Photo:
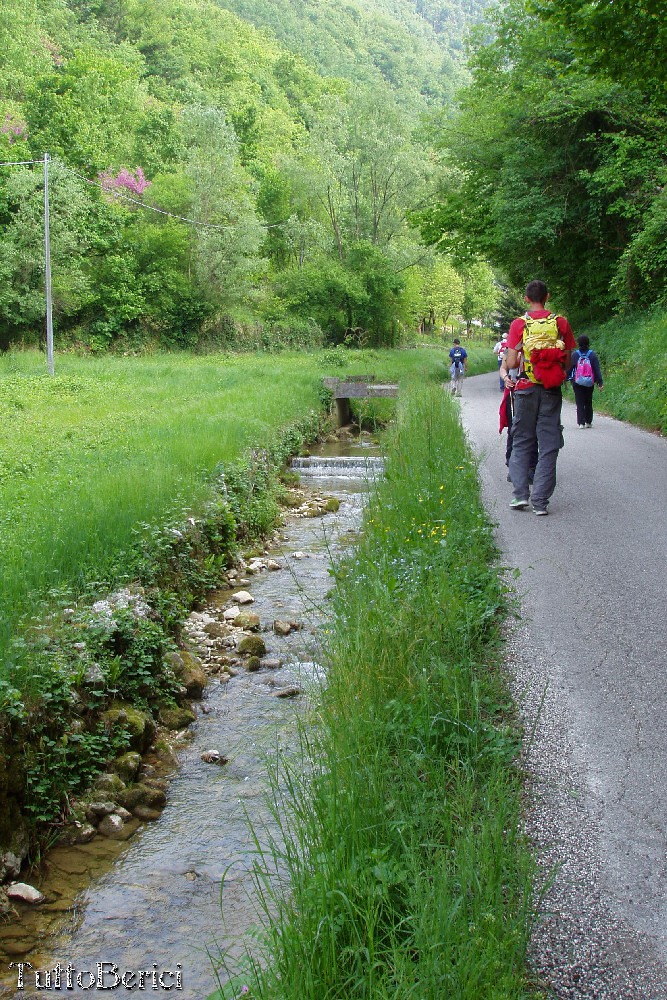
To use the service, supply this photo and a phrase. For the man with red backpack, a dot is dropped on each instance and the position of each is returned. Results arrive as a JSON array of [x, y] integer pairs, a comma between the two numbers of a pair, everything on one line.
[[540, 344], [585, 374]]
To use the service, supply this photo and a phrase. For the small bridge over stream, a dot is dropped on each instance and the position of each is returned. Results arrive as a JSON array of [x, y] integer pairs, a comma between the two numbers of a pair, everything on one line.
[[356, 387]]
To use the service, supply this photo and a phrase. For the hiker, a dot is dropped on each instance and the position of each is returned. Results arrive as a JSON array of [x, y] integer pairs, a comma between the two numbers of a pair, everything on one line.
[[584, 374], [458, 368], [499, 348], [506, 421], [542, 344]]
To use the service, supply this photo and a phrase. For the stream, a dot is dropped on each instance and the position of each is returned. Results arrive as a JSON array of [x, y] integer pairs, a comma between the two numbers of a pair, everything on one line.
[[154, 902]]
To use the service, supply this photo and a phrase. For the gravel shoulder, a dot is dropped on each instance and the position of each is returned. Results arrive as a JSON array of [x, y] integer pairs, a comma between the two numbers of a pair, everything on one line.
[[588, 659]]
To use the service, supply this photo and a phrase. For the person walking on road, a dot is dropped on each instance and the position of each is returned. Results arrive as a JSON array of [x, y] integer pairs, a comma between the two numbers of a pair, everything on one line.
[[499, 349], [542, 344], [458, 367], [585, 374]]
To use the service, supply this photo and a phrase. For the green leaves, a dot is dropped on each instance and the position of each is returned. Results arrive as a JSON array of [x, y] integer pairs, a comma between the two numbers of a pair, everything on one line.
[[558, 166]]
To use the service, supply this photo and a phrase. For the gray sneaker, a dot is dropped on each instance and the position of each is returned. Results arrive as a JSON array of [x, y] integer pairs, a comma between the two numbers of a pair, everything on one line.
[[540, 511], [518, 504]]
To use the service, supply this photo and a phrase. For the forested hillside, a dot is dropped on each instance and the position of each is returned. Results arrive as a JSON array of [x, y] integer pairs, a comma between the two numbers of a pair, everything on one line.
[[206, 172], [558, 155]]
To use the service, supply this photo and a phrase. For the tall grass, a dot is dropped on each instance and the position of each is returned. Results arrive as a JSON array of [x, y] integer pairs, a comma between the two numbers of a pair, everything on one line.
[[406, 873]]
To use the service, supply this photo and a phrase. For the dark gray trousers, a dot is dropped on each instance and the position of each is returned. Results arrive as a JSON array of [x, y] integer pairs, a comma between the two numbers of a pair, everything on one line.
[[536, 416]]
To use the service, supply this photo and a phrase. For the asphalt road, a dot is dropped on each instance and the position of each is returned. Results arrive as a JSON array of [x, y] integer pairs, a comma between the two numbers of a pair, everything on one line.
[[591, 644]]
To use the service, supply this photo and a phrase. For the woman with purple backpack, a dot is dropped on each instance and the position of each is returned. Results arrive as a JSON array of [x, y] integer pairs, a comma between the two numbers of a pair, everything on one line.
[[584, 374]]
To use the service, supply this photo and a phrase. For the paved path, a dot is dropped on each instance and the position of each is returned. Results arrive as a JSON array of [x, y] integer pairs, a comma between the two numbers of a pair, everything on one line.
[[593, 635]]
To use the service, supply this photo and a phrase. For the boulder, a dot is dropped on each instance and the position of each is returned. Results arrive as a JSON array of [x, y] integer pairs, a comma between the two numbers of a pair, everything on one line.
[[10, 865], [94, 677], [145, 813], [253, 663], [189, 669], [332, 505], [140, 725], [127, 766], [96, 811], [243, 597], [113, 827], [231, 613], [143, 795], [273, 565], [247, 620], [176, 718], [110, 784], [281, 627], [252, 644], [24, 893], [216, 630], [76, 833]]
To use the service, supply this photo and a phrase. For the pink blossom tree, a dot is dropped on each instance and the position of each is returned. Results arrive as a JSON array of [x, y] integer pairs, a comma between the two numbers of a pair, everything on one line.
[[135, 182]]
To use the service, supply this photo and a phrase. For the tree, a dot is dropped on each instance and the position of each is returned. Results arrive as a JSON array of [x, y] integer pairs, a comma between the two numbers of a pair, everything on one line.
[[444, 291], [363, 169], [480, 295], [557, 169], [226, 246], [626, 38]]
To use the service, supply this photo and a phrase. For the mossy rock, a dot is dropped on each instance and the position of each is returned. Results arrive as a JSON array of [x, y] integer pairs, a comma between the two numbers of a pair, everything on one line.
[[109, 785], [189, 669], [176, 718], [140, 725], [127, 766], [143, 795], [252, 644], [332, 505], [253, 663], [247, 620]]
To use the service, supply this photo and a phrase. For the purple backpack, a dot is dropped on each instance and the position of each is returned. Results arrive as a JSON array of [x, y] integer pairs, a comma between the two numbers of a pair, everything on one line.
[[583, 374]]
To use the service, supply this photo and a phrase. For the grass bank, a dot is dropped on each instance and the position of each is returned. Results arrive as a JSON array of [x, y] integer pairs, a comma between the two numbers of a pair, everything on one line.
[[633, 355], [407, 875]]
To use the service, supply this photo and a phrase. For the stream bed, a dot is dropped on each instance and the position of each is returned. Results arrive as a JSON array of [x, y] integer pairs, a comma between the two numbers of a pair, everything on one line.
[[154, 902]]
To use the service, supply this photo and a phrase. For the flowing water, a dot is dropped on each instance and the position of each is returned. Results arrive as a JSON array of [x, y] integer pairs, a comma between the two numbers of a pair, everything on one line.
[[155, 902]]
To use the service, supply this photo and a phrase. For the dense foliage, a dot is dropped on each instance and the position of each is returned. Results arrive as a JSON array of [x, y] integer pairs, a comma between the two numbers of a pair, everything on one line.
[[557, 157], [295, 147]]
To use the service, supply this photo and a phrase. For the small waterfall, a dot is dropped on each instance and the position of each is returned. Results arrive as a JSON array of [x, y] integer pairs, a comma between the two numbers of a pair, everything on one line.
[[339, 466]]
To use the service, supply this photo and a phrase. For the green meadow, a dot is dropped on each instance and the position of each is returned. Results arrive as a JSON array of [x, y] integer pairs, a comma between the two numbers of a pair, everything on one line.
[[113, 444]]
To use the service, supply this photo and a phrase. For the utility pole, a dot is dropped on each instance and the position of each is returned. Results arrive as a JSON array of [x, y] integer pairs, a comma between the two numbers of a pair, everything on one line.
[[47, 248]]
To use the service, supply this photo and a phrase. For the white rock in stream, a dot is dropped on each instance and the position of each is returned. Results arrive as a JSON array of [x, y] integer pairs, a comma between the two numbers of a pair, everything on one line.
[[25, 893], [299, 555], [272, 564], [243, 597], [112, 826], [231, 613]]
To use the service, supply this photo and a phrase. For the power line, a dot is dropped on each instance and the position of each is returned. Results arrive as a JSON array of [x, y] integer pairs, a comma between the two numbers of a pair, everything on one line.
[[19, 163], [152, 208]]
